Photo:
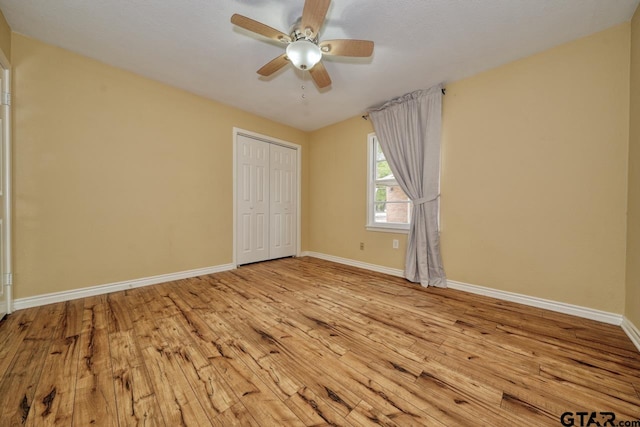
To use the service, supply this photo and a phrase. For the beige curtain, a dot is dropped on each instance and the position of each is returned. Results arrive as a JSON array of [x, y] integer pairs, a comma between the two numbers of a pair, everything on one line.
[[408, 129]]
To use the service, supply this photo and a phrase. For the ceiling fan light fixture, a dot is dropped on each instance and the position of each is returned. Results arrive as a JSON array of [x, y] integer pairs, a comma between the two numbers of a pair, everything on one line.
[[303, 54], [304, 49]]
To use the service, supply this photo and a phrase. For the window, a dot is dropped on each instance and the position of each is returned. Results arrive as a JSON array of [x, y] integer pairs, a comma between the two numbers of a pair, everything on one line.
[[388, 208]]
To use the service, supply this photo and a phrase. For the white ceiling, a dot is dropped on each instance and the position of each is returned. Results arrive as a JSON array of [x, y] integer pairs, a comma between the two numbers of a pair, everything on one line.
[[191, 44]]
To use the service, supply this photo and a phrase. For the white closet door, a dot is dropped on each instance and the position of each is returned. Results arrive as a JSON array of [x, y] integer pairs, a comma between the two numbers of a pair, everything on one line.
[[283, 201], [252, 200]]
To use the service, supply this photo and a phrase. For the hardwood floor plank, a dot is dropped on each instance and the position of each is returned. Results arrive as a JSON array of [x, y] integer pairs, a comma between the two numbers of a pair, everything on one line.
[[376, 396], [237, 415], [214, 394], [169, 348], [71, 321], [527, 413], [308, 342], [255, 349], [312, 410], [626, 405], [212, 390], [262, 359], [260, 401], [118, 312], [13, 329], [163, 306], [269, 410], [546, 396], [472, 400], [137, 303], [193, 292], [545, 346], [53, 401], [589, 377], [18, 385], [20, 382], [191, 322], [180, 405], [46, 322], [489, 354], [416, 397], [95, 400], [135, 396], [235, 373], [367, 415]]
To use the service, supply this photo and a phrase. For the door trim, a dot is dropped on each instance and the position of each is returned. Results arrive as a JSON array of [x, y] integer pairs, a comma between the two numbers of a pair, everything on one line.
[[276, 141], [7, 249]]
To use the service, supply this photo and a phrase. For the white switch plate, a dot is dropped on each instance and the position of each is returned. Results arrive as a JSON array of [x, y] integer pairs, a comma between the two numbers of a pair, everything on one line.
[[395, 243]]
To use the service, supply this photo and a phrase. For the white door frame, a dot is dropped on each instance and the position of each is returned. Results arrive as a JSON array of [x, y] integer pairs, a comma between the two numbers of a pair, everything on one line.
[[7, 280], [271, 140]]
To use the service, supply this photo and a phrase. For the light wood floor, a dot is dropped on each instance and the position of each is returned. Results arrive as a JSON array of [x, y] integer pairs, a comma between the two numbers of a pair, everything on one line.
[[308, 342]]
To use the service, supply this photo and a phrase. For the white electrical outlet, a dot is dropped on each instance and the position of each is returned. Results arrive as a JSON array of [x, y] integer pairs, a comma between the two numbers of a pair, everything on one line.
[[395, 243]]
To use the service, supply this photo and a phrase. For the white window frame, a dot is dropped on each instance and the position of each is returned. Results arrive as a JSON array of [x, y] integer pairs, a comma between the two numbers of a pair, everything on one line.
[[372, 225]]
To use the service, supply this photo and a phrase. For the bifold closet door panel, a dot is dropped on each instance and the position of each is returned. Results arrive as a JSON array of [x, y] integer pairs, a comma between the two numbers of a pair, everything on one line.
[[283, 203], [252, 197]]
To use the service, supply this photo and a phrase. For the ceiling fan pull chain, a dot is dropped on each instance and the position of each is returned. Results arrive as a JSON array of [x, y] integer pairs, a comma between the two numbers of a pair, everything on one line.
[[304, 77]]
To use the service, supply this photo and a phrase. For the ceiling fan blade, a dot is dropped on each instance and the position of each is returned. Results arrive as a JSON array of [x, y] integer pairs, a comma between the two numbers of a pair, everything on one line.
[[320, 75], [259, 28], [347, 47], [273, 65], [313, 15]]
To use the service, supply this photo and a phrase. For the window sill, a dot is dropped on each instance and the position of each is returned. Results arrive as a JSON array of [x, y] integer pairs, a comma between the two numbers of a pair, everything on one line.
[[388, 229]]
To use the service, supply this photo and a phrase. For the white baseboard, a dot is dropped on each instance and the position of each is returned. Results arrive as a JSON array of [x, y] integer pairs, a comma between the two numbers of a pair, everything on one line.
[[373, 267], [632, 332], [54, 297], [560, 307], [611, 318], [575, 310]]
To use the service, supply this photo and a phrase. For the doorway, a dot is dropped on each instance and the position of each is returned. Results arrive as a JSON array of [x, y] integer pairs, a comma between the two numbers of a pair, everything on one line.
[[266, 198]]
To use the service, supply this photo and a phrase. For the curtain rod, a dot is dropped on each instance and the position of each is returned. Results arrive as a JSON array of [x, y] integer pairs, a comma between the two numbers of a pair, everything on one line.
[[366, 116]]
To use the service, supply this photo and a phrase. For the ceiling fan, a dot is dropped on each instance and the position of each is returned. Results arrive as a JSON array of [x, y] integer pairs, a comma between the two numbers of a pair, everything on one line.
[[304, 50]]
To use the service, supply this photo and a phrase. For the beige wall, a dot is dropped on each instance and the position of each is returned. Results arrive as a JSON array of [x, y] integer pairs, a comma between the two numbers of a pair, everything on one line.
[[118, 177], [5, 37], [534, 177], [535, 174], [632, 299], [338, 186]]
